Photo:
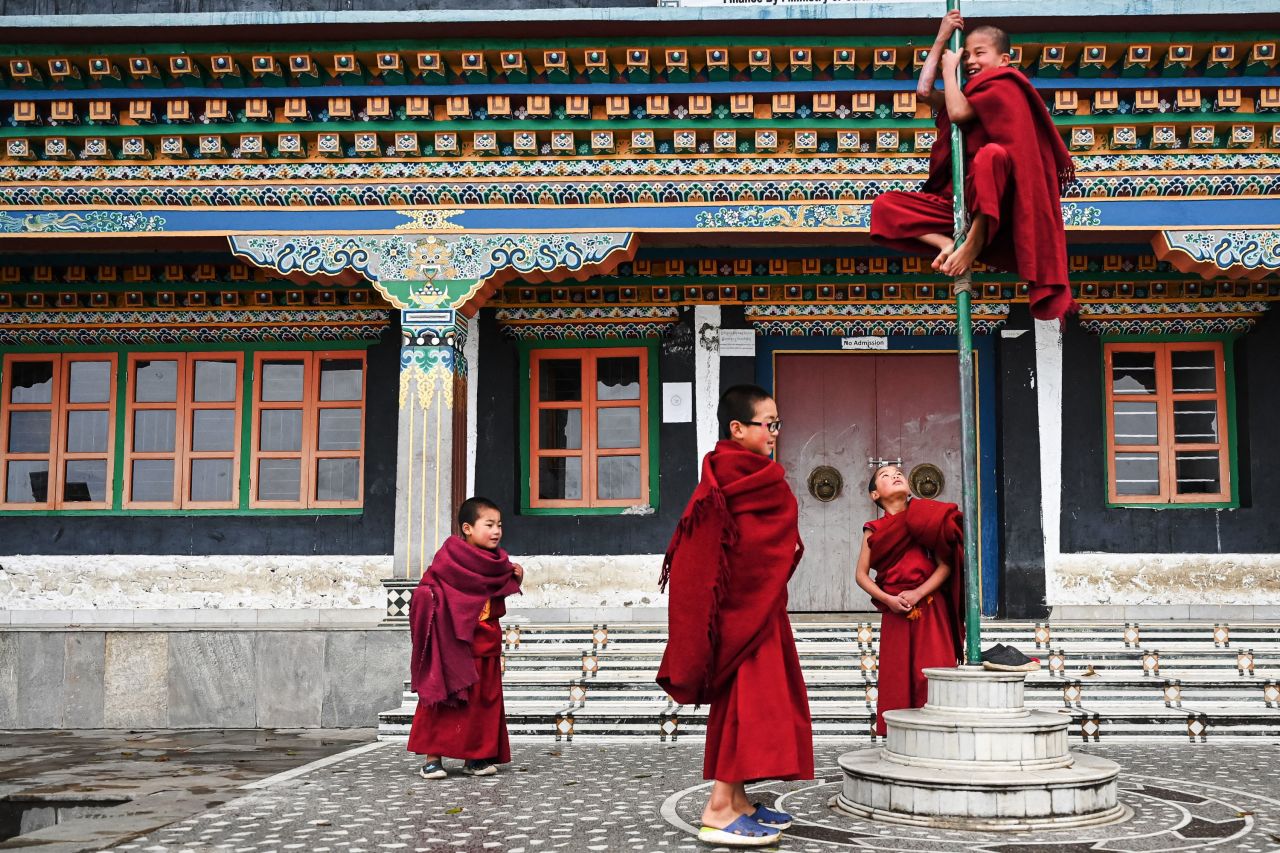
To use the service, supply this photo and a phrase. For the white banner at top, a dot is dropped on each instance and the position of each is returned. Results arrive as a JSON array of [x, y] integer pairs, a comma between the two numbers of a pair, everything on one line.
[[673, 3]]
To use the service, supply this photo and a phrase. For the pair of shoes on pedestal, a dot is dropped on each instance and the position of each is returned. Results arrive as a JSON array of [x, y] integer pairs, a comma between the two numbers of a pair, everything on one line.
[[1002, 658]]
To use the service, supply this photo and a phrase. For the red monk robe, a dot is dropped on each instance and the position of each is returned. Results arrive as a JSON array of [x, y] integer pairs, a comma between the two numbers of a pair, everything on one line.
[[1016, 169], [457, 647], [905, 550], [475, 730], [730, 642]]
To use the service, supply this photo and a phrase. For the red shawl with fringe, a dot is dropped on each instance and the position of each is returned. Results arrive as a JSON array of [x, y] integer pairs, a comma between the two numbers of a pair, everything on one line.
[[728, 564], [1010, 113], [444, 613], [937, 527]]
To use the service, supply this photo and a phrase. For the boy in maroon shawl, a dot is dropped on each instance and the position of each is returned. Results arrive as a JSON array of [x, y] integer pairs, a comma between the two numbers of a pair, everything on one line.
[[1016, 168], [916, 549], [456, 668], [730, 642]]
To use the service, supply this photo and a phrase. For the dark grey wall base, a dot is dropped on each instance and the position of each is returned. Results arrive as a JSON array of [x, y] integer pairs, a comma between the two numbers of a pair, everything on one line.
[[184, 679]]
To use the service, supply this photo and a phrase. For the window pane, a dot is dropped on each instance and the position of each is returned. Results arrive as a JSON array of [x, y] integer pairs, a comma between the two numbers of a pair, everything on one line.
[[279, 479], [618, 378], [1195, 422], [618, 427], [280, 430], [32, 382], [90, 382], [1133, 372], [156, 382], [213, 430], [1137, 473], [215, 382], [211, 480], [87, 431], [282, 381], [337, 479], [559, 380], [1193, 372], [560, 429], [1197, 472], [29, 432], [339, 429], [28, 482], [153, 480], [560, 478], [154, 430], [340, 379], [618, 477], [1136, 423], [86, 481]]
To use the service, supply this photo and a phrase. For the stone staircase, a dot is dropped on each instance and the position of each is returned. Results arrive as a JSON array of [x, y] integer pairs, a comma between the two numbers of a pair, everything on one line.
[[1194, 681]]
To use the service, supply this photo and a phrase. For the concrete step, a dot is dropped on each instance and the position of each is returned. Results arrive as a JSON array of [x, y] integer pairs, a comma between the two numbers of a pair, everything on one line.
[[1170, 680]]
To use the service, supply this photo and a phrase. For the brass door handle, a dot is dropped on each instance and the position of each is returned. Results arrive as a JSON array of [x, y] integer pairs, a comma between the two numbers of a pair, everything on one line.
[[825, 483], [926, 480]]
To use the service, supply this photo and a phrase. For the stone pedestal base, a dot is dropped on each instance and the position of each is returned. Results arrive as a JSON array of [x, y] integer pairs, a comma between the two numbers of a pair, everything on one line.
[[975, 758]]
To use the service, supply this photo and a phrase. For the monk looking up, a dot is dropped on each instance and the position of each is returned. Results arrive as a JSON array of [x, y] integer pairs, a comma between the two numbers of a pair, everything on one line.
[[730, 642], [1016, 166], [915, 550]]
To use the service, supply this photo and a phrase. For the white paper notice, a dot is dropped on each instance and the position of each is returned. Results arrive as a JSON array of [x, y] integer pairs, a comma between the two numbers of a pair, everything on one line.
[[737, 342], [677, 402], [867, 342]]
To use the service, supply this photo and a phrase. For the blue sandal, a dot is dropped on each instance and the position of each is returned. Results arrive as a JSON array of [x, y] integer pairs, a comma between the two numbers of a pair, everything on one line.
[[770, 818], [743, 832]]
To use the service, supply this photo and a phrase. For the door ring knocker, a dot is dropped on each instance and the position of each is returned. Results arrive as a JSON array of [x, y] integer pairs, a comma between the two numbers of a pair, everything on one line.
[[825, 483], [926, 480]]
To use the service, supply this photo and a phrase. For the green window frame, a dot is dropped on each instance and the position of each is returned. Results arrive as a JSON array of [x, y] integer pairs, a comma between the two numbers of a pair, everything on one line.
[[651, 403], [121, 409], [1163, 398]]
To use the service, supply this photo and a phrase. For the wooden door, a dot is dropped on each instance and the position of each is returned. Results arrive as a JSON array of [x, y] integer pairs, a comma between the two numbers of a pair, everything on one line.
[[840, 409]]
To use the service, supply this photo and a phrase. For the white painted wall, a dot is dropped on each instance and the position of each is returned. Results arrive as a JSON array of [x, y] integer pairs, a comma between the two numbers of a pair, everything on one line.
[[471, 352], [706, 376], [166, 582]]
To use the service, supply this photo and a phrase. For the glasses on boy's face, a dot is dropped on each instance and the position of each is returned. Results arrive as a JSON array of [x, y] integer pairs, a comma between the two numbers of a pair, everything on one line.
[[771, 426]]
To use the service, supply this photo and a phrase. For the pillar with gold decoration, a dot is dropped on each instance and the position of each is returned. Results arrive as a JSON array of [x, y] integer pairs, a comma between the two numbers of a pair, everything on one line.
[[430, 445]]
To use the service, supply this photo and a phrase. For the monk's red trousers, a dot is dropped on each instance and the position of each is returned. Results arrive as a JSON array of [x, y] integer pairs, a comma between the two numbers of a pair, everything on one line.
[[899, 218], [906, 648], [759, 728]]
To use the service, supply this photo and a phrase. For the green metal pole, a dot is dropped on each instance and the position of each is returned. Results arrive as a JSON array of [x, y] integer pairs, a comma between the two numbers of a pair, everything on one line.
[[968, 412]]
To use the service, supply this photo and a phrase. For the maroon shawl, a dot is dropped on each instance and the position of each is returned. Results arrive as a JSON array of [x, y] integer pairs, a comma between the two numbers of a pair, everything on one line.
[[937, 527], [728, 565], [444, 612], [1010, 113]]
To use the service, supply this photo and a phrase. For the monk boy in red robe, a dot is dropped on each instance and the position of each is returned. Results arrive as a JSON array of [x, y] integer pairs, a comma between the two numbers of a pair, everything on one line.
[[1016, 168], [730, 642], [915, 549], [457, 646]]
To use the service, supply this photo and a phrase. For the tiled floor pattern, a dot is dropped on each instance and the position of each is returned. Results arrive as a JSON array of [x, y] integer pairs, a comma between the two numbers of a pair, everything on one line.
[[632, 796]]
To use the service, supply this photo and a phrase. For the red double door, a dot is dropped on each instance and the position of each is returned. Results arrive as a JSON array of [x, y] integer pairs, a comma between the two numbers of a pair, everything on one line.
[[842, 409]]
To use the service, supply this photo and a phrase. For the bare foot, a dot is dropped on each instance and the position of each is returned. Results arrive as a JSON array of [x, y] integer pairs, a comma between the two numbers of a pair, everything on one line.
[[720, 818], [961, 260], [941, 260]]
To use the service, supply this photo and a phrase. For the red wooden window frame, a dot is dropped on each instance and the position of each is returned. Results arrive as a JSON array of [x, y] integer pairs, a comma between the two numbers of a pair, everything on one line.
[[1165, 445], [184, 407], [590, 408], [60, 407], [311, 406]]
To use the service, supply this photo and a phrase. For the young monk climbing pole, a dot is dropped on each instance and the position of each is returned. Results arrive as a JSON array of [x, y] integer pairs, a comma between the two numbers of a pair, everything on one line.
[[1016, 168]]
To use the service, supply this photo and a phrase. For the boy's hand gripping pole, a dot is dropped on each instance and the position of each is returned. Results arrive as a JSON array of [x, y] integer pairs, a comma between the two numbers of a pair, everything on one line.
[[968, 413]]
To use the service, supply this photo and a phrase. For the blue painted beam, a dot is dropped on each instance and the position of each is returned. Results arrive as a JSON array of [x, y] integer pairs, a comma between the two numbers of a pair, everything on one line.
[[1082, 216]]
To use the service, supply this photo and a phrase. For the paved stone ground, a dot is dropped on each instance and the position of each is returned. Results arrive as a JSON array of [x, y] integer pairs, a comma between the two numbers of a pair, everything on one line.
[[626, 796], [106, 786]]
